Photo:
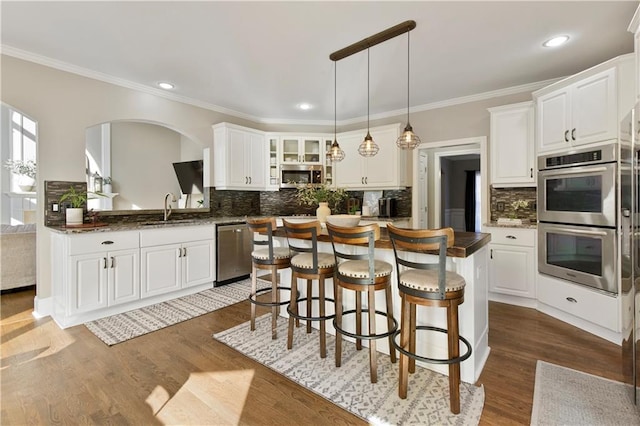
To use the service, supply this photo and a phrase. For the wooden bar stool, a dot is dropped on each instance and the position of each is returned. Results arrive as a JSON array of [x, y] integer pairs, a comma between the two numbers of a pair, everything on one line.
[[428, 284], [307, 263], [270, 258], [362, 273]]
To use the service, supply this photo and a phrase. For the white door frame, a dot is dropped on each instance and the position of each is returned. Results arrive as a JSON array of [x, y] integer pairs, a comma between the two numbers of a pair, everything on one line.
[[481, 142]]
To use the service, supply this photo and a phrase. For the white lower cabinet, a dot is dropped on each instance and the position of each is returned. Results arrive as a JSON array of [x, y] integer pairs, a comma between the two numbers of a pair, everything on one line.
[[175, 265], [97, 274], [512, 265], [104, 279]]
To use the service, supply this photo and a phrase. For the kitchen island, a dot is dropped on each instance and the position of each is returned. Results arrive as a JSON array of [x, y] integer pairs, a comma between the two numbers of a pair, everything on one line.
[[469, 258]]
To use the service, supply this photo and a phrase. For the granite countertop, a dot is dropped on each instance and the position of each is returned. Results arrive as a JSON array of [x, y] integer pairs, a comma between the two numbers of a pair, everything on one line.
[[153, 224], [530, 225]]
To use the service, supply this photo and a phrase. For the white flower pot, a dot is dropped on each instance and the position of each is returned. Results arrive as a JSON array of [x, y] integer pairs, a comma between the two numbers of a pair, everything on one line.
[[74, 216]]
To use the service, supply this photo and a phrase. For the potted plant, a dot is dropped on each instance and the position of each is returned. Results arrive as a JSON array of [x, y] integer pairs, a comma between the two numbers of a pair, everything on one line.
[[77, 199], [325, 197], [26, 171]]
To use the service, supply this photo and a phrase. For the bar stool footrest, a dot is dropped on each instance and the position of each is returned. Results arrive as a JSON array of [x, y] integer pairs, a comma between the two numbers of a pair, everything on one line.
[[455, 360], [366, 336], [253, 297], [305, 318]]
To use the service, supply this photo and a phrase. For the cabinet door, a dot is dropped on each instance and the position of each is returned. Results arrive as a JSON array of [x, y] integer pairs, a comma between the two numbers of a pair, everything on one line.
[[381, 170], [593, 109], [198, 261], [349, 172], [160, 269], [511, 270], [291, 150], [88, 290], [311, 150], [237, 159], [256, 155], [553, 121], [512, 153], [124, 276]]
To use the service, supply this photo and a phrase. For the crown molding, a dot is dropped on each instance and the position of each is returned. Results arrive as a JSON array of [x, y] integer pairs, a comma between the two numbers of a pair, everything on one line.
[[64, 66]]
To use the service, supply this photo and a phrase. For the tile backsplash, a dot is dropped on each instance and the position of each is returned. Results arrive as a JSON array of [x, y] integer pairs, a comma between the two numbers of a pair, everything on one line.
[[501, 199]]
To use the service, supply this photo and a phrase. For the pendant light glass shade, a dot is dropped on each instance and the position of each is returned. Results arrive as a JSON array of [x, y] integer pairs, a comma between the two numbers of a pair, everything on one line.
[[408, 139], [368, 147], [335, 154]]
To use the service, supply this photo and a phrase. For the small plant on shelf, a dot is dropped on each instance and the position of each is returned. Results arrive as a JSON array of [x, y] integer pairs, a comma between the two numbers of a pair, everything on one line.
[[76, 198], [517, 205], [312, 195], [22, 168]]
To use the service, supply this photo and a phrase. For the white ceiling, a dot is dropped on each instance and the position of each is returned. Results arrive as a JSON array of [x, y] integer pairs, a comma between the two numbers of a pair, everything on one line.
[[261, 59]]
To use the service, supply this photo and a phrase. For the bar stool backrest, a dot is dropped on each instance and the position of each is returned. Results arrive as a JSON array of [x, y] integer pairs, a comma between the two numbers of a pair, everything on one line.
[[406, 241], [357, 235], [263, 226], [304, 231]]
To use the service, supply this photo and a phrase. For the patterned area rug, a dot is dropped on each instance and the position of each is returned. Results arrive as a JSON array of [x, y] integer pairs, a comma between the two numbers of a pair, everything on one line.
[[349, 386], [122, 327], [563, 396]]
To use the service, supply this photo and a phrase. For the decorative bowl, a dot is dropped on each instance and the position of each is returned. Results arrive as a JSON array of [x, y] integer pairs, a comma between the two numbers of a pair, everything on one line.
[[346, 220]]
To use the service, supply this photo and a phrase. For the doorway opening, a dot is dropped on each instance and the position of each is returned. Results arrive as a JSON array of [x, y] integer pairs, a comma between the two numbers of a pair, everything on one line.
[[450, 186]]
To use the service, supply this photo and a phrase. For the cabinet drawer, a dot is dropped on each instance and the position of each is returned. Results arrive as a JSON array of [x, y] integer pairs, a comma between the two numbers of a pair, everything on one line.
[[513, 236], [103, 241], [579, 301], [176, 235]]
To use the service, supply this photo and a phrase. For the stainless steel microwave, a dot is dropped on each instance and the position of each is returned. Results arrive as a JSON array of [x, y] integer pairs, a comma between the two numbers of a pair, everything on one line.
[[293, 175]]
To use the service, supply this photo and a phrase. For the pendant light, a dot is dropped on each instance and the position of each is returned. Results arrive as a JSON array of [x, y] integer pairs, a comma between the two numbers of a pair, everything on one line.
[[408, 139], [335, 153], [368, 147]]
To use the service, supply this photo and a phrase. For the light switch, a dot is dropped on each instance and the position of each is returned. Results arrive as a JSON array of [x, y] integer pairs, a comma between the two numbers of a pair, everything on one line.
[[55, 207]]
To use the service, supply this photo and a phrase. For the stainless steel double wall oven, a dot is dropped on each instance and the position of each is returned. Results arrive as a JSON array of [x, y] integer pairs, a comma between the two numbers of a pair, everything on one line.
[[579, 208]]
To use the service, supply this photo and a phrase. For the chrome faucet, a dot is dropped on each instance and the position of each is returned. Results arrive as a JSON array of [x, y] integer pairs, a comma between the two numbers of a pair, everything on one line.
[[167, 204]]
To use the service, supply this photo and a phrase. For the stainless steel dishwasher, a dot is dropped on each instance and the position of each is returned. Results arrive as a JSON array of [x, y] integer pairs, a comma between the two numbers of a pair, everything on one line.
[[233, 260]]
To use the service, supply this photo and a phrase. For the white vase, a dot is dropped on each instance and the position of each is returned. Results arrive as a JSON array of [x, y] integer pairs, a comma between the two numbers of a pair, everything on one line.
[[107, 189], [26, 183], [74, 216], [322, 212]]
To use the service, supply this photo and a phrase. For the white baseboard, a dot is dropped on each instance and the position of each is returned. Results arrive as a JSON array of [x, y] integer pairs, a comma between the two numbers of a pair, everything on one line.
[[42, 307], [525, 302]]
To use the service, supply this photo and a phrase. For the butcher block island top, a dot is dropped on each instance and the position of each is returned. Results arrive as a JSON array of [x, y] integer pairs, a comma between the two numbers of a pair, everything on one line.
[[465, 243]]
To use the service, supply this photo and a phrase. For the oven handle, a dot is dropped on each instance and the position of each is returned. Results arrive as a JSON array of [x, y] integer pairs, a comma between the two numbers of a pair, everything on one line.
[[577, 231], [575, 170]]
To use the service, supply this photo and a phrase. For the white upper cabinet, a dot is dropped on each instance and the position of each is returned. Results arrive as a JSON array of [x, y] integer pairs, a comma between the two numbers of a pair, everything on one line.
[[390, 168], [584, 108], [302, 149], [512, 145], [240, 158]]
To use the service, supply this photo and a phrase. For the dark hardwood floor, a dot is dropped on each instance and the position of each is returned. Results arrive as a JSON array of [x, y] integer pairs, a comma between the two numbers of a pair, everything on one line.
[[181, 375]]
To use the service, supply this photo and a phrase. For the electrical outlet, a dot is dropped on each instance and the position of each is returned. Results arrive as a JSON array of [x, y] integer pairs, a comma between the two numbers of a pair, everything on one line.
[[55, 207], [500, 206]]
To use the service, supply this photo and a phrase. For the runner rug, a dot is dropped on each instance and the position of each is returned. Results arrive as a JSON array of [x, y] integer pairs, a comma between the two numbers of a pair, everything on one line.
[[122, 327], [563, 396], [349, 386]]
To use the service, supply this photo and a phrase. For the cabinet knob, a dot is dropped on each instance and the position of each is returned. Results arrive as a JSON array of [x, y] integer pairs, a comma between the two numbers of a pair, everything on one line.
[[573, 134], [511, 237], [531, 172], [106, 243], [179, 252], [572, 300], [184, 252], [113, 262], [566, 136], [366, 180], [105, 263]]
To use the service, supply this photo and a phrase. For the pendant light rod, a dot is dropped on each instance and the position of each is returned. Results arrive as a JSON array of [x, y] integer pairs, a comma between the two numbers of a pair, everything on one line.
[[368, 42], [408, 67]]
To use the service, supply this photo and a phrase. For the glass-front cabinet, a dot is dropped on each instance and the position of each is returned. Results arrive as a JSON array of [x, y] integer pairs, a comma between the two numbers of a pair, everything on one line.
[[274, 163], [328, 165], [297, 149]]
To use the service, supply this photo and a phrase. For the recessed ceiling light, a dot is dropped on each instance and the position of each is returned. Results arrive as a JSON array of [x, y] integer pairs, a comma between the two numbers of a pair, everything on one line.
[[304, 106], [165, 85], [556, 41]]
